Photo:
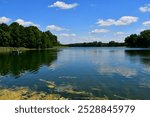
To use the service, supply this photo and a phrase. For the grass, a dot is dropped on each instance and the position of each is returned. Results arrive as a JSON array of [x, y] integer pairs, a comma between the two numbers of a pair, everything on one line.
[[10, 49]]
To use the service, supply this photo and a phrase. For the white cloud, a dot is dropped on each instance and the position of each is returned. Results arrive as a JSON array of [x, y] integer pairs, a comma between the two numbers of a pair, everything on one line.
[[145, 8], [107, 22], [147, 23], [125, 20], [24, 23], [63, 5], [67, 35], [120, 33], [54, 28], [97, 31], [4, 20], [142, 30]]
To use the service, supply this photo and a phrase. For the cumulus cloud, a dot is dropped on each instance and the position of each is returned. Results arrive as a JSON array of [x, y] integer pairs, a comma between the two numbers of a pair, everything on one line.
[[98, 31], [145, 8], [54, 28], [107, 22], [63, 5], [147, 23], [24, 23], [67, 35], [120, 33], [125, 20], [4, 20]]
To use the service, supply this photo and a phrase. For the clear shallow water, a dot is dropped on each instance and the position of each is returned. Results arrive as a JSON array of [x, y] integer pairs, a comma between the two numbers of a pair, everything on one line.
[[80, 73]]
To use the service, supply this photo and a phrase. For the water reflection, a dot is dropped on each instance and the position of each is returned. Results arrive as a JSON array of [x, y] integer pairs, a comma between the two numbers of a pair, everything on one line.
[[78, 73], [142, 55], [124, 71], [29, 61]]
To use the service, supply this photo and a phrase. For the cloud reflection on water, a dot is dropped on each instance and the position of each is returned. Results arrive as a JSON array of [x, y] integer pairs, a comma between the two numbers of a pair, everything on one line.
[[126, 72]]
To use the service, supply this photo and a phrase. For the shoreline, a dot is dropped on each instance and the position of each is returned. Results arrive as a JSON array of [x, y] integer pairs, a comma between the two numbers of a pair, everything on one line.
[[11, 49]]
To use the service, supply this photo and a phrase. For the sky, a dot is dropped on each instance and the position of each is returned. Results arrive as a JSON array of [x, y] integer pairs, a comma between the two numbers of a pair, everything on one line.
[[76, 21]]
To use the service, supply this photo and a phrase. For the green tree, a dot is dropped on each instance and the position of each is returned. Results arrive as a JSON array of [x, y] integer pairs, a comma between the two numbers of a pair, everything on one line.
[[16, 35], [4, 38], [52, 38], [4, 27], [144, 39], [131, 41]]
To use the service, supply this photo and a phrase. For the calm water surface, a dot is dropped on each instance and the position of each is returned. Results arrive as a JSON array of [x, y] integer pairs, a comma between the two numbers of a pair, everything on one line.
[[80, 73]]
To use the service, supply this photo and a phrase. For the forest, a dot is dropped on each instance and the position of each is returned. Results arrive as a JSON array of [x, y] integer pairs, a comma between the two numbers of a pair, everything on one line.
[[15, 35]]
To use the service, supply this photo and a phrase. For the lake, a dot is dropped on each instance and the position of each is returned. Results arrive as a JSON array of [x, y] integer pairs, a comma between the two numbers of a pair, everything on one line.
[[77, 73]]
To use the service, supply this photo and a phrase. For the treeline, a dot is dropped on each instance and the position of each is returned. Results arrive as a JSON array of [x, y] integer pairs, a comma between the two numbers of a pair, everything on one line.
[[141, 40], [15, 35], [97, 44]]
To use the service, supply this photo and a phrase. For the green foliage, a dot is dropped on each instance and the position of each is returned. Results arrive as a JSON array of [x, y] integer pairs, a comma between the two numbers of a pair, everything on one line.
[[16, 35], [142, 40], [131, 40], [4, 38]]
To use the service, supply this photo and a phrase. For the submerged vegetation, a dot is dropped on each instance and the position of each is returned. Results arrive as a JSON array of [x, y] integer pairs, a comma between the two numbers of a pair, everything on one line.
[[15, 35], [56, 92], [24, 93]]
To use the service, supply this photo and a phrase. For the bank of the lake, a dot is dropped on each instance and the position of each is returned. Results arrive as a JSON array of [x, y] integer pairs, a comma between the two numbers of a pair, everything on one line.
[[10, 49]]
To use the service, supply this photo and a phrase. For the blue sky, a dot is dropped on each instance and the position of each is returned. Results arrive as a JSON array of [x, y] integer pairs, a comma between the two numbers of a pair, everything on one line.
[[80, 20]]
